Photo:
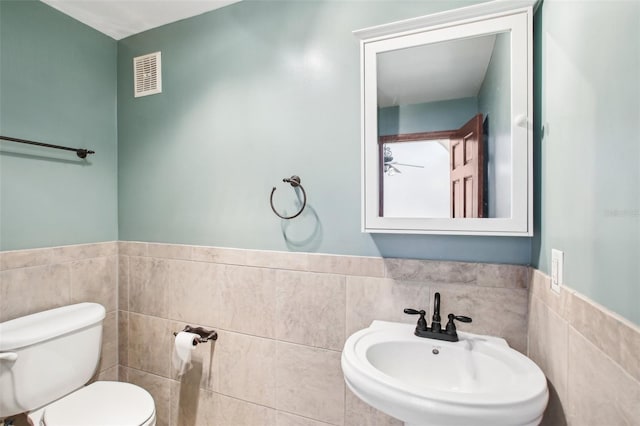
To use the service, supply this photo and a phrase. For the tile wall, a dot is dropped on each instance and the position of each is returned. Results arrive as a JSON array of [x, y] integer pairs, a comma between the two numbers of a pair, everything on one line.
[[35, 280], [282, 320], [591, 358]]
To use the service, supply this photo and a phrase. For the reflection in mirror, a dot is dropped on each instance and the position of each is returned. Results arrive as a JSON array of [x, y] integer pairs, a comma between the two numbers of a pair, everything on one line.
[[419, 189], [444, 127]]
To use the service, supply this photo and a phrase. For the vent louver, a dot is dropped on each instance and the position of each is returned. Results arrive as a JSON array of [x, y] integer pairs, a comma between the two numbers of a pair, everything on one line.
[[147, 72]]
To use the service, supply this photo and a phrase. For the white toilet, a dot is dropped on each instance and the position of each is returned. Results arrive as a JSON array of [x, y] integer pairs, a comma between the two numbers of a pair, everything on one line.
[[48, 357]]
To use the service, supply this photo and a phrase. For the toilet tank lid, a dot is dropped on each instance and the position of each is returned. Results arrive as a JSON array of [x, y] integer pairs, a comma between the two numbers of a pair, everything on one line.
[[45, 325]]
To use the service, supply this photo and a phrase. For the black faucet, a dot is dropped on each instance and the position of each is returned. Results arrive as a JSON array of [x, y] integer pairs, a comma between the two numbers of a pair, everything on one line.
[[435, 331], [435, 320]]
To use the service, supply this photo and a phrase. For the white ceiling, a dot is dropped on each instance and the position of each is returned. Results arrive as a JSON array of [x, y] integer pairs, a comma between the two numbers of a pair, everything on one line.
[[122, 18], [433, 72]]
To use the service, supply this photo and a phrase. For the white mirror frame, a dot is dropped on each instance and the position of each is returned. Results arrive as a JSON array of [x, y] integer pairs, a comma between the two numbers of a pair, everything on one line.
[[515, 17]]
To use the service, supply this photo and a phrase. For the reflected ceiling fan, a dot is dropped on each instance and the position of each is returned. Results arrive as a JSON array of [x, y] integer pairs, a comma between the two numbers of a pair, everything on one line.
[[392, 167]]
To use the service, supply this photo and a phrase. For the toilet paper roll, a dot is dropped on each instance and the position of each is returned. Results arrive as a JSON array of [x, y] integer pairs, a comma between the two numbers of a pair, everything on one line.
[[184, 344]]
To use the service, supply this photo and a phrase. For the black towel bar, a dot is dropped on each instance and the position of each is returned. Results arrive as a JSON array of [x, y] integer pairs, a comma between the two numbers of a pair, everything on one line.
[[80, 152]]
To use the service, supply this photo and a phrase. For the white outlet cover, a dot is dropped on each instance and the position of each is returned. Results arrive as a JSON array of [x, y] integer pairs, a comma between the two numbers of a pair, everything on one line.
[[557, 269]]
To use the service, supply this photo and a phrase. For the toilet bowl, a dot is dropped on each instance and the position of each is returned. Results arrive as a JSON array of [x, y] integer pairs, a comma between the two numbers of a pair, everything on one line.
[[45, 361], [99, 404]]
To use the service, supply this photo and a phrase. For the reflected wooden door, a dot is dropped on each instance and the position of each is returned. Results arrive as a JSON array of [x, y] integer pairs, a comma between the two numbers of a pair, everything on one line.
[[467, 169]]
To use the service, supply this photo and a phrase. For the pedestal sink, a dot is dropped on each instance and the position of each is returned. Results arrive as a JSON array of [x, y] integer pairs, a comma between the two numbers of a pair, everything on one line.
[[477, 381]]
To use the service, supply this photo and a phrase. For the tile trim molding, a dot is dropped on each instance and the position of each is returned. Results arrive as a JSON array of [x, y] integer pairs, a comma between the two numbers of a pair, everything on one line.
[[450, 272], [27, 258]]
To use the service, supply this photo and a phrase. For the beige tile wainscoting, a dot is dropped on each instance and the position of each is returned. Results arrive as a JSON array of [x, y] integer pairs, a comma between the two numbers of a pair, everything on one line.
[[39, 279], [591, 358], [282, 320]]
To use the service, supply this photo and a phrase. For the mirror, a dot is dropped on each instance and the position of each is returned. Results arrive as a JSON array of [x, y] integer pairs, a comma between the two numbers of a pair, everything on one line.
[[431, 98], [447, 139]]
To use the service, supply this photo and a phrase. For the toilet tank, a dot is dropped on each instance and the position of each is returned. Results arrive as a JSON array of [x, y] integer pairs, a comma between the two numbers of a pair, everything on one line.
[[47, 355]]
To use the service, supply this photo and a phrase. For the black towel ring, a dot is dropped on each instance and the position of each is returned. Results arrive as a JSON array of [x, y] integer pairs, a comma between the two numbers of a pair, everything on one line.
[[295, 182]]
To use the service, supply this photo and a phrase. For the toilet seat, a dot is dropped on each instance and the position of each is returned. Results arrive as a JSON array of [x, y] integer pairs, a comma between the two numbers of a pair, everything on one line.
[[102, 404]]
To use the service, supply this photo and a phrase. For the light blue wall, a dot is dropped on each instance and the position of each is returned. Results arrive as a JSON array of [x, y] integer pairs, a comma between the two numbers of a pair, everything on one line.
[[255, 92], [589, 191], [57, 85], [494, 102], [426, 117], [258, 91]]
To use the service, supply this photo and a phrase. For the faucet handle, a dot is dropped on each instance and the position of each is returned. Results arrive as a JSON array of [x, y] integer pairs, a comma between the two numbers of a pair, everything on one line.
[[451, 327], [422, 323], [460, 318]]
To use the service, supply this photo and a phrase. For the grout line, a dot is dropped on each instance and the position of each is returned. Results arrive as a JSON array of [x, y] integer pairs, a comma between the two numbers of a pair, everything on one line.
[[600, 351], [226, 330]]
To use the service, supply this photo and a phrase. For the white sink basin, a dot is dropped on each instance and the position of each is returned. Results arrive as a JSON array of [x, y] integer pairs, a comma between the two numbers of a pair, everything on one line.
[[477, 381]]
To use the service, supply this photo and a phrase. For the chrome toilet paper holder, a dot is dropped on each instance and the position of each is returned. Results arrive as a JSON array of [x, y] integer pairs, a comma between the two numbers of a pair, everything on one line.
[[205, 335]]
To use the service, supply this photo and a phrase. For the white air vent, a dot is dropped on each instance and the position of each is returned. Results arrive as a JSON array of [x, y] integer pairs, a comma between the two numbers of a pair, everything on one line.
[[147, 73]]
